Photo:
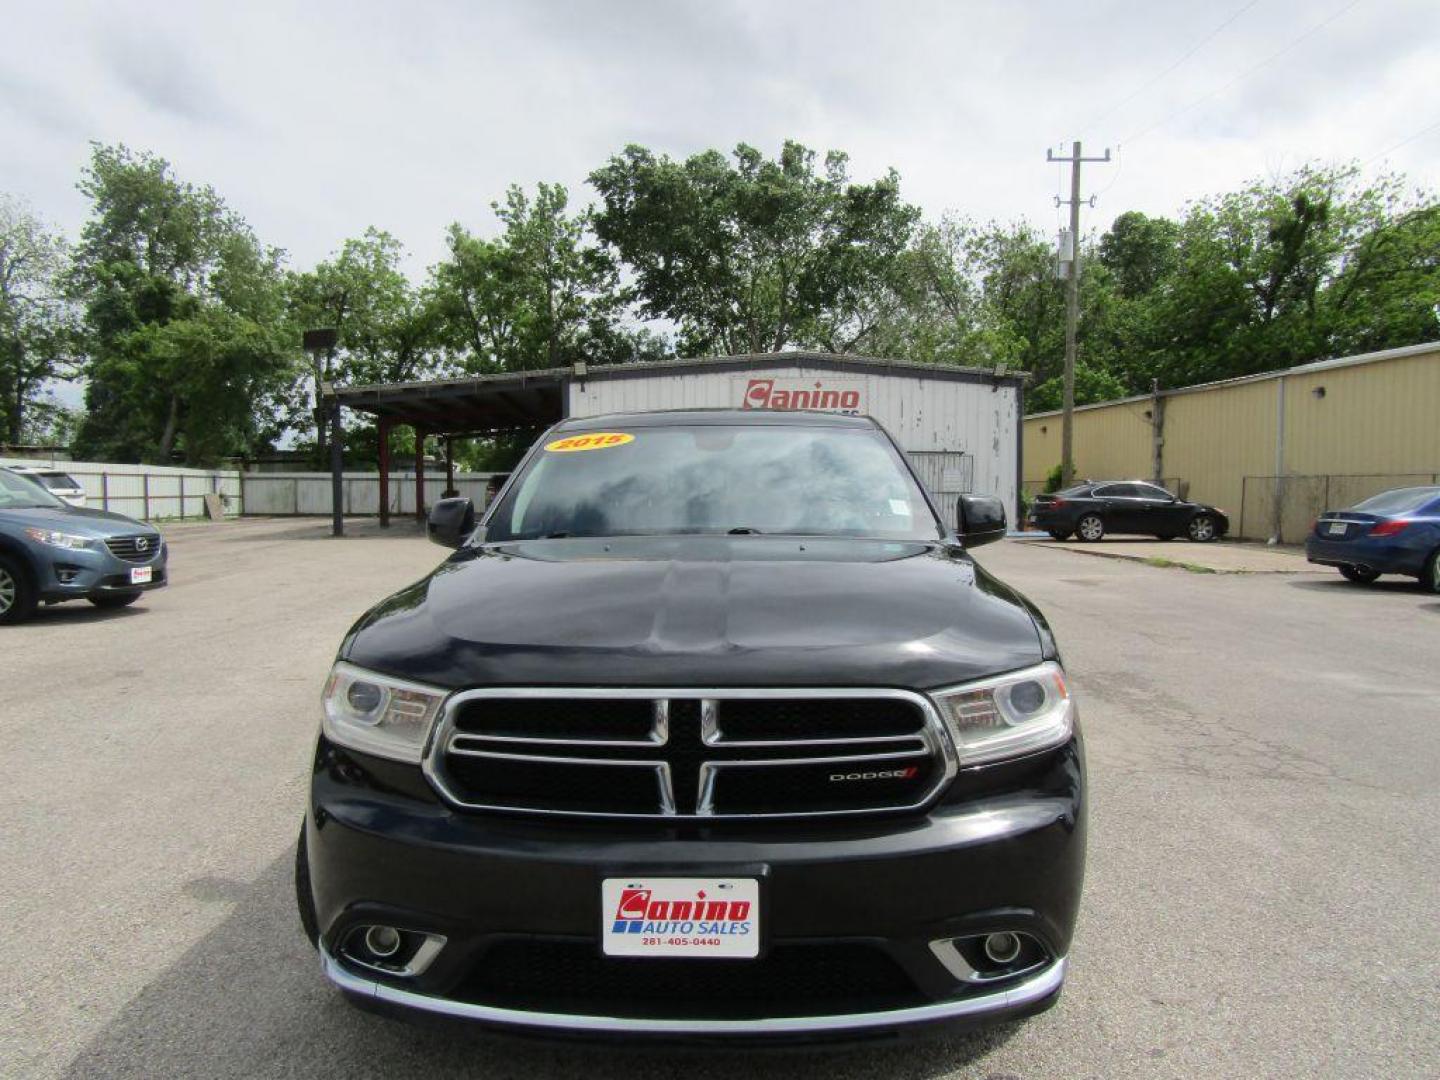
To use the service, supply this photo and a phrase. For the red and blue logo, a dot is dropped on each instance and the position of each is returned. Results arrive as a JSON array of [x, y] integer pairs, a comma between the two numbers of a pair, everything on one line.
[[637, 912]]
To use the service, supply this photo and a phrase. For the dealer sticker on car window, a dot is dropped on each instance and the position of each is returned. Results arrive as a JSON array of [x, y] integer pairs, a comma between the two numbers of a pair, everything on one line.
[[681, 917], [594, 440]]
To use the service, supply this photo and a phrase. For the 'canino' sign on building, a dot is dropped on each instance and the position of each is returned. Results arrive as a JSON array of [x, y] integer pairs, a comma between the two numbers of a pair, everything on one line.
[[830, 395]]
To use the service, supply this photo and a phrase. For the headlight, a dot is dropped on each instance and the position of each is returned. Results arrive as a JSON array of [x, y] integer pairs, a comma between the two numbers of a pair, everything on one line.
[[1009, 715], [378, 714], [68, 541]]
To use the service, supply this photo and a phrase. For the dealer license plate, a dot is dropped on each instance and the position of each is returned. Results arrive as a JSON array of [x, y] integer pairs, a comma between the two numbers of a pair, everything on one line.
[[141, 575], [694, 917], [1337, 528]]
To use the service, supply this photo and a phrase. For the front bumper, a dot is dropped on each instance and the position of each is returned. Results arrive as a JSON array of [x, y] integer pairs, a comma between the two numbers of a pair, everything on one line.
[[1002, 851], [77, 575], [1030, 994]]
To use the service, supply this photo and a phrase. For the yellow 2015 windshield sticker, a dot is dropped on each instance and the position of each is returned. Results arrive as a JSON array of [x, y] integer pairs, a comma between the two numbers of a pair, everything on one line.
[[593, 440]]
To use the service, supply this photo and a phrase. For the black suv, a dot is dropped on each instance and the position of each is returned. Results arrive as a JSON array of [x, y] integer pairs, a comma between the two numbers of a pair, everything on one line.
[[710, 728]]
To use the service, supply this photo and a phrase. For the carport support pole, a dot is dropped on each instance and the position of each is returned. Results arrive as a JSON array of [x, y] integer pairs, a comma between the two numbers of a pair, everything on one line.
[[420, 475], [337, 472], [383, 427], [449, 466]]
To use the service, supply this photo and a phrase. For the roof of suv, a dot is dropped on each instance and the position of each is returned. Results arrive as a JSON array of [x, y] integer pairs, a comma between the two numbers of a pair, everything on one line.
[[677, 417]]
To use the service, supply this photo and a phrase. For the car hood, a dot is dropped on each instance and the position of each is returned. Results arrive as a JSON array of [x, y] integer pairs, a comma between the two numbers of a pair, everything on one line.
[[74, 519], [702, 611]]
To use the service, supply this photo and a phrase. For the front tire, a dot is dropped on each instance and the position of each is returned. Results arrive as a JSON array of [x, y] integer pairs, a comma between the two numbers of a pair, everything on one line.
[[114, 600], [1202, 529], [17, 594], [1090, 528], [1361, 575]]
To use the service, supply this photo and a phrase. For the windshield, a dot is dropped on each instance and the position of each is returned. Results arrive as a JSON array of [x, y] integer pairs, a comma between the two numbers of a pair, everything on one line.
[[21, 493], [57, 481], [1399, 501], [805, 481]]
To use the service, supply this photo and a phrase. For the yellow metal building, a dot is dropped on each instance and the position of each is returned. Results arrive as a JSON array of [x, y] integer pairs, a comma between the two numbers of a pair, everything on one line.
[[1272, 450]]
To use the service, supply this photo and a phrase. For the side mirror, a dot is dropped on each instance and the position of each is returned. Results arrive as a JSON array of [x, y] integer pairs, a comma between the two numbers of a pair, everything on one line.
[[980, 519], [451, 521]]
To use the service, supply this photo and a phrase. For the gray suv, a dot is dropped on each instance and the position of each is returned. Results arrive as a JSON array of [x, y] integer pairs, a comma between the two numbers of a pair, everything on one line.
[[51, 552]]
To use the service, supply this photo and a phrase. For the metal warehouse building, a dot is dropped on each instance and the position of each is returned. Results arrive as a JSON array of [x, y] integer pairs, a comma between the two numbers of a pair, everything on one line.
[[1272, 450], [960, 426]]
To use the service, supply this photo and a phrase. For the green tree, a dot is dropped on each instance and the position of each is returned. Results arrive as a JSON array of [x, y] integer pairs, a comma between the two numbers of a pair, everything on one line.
[[36, 321], [541, 294], [754, 255], [387, 329], [184, 319]]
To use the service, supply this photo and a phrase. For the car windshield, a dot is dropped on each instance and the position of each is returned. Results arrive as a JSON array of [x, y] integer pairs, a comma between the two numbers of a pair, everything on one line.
[[716, 479], [22, 493], [57, 481], [1399, 501]]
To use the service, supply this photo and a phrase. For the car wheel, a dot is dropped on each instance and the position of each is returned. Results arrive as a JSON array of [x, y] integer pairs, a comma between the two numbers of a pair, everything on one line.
[[1090, 528], [1201, 528], [17, 595], [1059, 534], [115, 600], [304, 898], [1431, 578], [1361, 575]]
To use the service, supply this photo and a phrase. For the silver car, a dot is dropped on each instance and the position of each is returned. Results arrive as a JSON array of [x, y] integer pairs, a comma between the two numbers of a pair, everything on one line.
[[59, 483]]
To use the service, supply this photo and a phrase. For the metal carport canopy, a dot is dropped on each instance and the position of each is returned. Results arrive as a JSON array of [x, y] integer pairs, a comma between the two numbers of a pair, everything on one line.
[[476, 404]]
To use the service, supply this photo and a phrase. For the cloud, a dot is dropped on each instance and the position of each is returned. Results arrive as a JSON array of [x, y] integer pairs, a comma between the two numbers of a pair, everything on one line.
[[317, 120], [160, 73]]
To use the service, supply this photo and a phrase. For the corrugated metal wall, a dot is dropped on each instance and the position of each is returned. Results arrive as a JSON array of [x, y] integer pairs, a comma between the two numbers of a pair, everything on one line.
[[285, 494], [924, 414], [1350, 431]]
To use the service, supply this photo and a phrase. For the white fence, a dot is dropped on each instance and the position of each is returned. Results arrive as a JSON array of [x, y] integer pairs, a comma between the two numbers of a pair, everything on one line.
[[157, 492], [147, 492], [309, 493]]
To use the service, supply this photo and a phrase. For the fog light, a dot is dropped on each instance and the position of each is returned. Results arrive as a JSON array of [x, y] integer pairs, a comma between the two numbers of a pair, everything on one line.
[[1002, 948], [383, 941]]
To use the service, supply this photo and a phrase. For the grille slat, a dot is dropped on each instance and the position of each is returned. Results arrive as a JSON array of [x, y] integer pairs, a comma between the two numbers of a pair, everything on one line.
[[129, 547], [726, 754]]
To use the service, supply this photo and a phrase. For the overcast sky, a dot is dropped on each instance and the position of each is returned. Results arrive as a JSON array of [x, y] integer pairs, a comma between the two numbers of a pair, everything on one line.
[[315, 120]]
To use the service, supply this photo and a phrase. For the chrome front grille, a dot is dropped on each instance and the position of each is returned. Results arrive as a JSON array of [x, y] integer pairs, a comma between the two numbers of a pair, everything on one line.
[[706, 754], [140, 548]]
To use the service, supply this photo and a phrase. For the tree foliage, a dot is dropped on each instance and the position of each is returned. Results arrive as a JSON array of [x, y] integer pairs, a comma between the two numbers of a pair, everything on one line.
[[186, 328], [754, 255], [36, 322], [183, 317]]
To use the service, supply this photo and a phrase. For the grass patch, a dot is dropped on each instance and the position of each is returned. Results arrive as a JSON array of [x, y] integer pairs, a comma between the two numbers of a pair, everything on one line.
[[1171, 564]]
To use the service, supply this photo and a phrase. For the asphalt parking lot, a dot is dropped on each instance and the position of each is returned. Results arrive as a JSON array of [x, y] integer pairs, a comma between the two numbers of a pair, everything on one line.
[[1262, 887]]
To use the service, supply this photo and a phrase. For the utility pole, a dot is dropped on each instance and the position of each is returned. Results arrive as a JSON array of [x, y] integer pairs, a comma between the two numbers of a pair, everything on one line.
[[1072, 307]]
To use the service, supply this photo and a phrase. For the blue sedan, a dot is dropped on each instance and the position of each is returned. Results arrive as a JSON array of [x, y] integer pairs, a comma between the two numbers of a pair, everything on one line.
[[1395, 532]]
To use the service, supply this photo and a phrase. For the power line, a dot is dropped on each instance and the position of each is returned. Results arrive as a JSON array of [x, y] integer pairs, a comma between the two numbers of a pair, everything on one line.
[[1403, 142], [1243, 75], [1151, 82]]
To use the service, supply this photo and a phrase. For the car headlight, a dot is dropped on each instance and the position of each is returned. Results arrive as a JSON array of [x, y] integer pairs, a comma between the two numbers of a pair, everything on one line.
[[68, 541], [1009, 715], [378, 714]]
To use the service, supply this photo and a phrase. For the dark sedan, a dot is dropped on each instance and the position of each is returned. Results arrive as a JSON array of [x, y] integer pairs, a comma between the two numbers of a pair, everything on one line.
[[1395, 532], [1094, 508]]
